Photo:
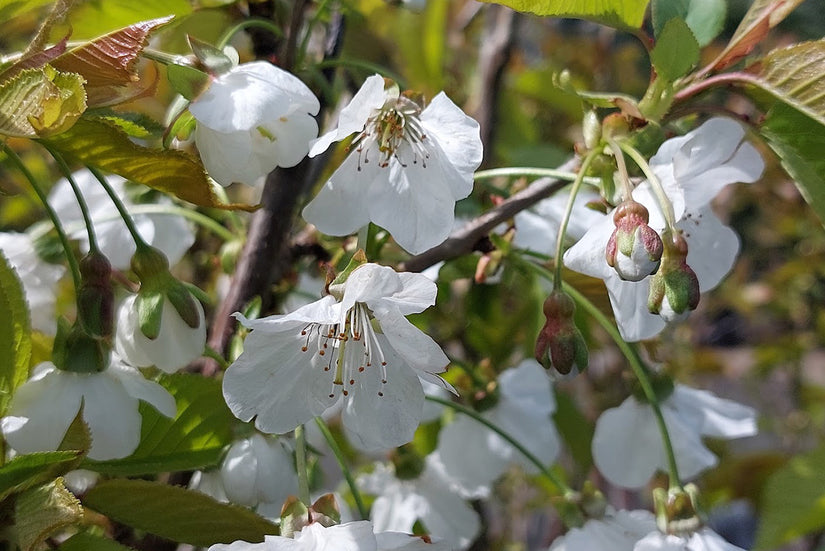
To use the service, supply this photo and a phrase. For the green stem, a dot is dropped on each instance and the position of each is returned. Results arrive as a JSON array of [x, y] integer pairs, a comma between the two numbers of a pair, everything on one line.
[[121, 209], [363, 238], [210, 352], [262, 23], [633, 358], [624, 177], [81, 201], [301, 465], [193, 215], [64, 240], [342, 462], [533, 171], [366, 65], [655, 183], [548, 474], [166, 59], [309, 27], [568, 210]]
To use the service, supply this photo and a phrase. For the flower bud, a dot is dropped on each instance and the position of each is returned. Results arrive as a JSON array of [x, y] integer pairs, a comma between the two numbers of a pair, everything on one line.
[[80, 352], [96, 297], [634, 249], [560, 344], [674, 290], [150, 265]]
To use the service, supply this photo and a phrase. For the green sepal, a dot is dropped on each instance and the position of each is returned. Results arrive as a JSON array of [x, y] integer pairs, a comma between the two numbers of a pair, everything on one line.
[[187, 81], [82, 353], [325, 510], [215, 61], [357, 260], [180, 129], [294, 516], [184, 303], [149, 306]]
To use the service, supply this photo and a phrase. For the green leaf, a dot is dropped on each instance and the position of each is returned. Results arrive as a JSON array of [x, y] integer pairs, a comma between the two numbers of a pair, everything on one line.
[[793, 501], [705, 18], [25, 471], [15, 334], [187, 81], [39, 102], [799, 142], [101, 144], [40, 512], [794, 76], [109, 63], [92, 19], [676, 51], [194, 439], [176, 513], [616, 13], [86, 541], [762, 16]]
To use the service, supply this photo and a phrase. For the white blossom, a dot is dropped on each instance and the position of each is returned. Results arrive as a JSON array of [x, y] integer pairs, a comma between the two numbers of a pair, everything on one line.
[[692, 169], [616, 531], [355, 345], [176, 345], [39, 279], [628, 447], [474, 456], [407, 167], [702, 540], [43, 408], [170, 233], [251, 119]]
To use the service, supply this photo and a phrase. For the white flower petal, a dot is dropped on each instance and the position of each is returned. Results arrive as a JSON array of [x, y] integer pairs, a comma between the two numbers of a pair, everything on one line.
[[473, 473], [417, 348], [112, 416], [587, 255], [617, 531], [138, 387], [629, 301], [370, 284], [717, 417], [712, 247]]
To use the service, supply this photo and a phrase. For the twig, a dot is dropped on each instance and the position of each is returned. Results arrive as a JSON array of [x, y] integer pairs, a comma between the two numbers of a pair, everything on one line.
[[463, 240]]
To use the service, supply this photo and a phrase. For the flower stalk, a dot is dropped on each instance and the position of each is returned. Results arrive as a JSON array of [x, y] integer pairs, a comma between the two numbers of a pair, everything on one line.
[[301, 465], [363, 511]]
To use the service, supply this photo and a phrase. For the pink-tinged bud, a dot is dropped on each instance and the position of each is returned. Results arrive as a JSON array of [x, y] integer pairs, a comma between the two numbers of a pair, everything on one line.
[[96, 297], [560, 345], [634, 249], [674, 290]]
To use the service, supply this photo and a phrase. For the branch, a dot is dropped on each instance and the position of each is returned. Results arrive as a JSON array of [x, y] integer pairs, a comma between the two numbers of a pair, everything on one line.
[[462, 241]]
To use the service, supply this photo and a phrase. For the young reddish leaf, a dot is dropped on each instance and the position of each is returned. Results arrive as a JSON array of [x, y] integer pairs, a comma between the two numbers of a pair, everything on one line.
[[35, 60], [98, 143], [109, 61]]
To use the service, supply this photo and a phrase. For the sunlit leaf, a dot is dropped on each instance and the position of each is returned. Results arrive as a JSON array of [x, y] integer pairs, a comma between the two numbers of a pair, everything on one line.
[[25, 471], [799, 141], [175, 513], [40, 102], [15, 333], [101, 144], [89, 20], [616, 13], [43, 511], [704, 17], [109, 61]]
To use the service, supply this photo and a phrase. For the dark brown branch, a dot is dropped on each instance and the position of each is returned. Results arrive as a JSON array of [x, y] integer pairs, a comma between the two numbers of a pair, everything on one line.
[[463, 240]]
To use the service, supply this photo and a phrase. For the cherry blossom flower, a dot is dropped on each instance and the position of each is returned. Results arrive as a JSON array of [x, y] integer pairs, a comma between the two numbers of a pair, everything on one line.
[[523, 410], [354, 344], [256, 472], [430, 499], [43, 408], [39, 279], [692, 169], [628, 448], [702, 540], [351, 536], [407, 167], [616, 531], [251, 119], [177, 342], [170, 233]]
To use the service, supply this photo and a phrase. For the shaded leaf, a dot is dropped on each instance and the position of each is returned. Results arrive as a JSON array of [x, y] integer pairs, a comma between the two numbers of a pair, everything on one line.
[[85, 541], [176, 513], [40, 102], [15, 334], [616, 13], [762, 16], [25, 471], [40, 512], [793, 501], [794, 75], [676, 51], [704, 17], [194, 439], [89, 20], [109, 61], [101, 144], [799, 142]]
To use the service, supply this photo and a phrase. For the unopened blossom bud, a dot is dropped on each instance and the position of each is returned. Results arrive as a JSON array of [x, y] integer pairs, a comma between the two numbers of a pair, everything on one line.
[[674, 290], [560, 344], [149, 263], [592, 129], [96, 297], [634, 249]]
